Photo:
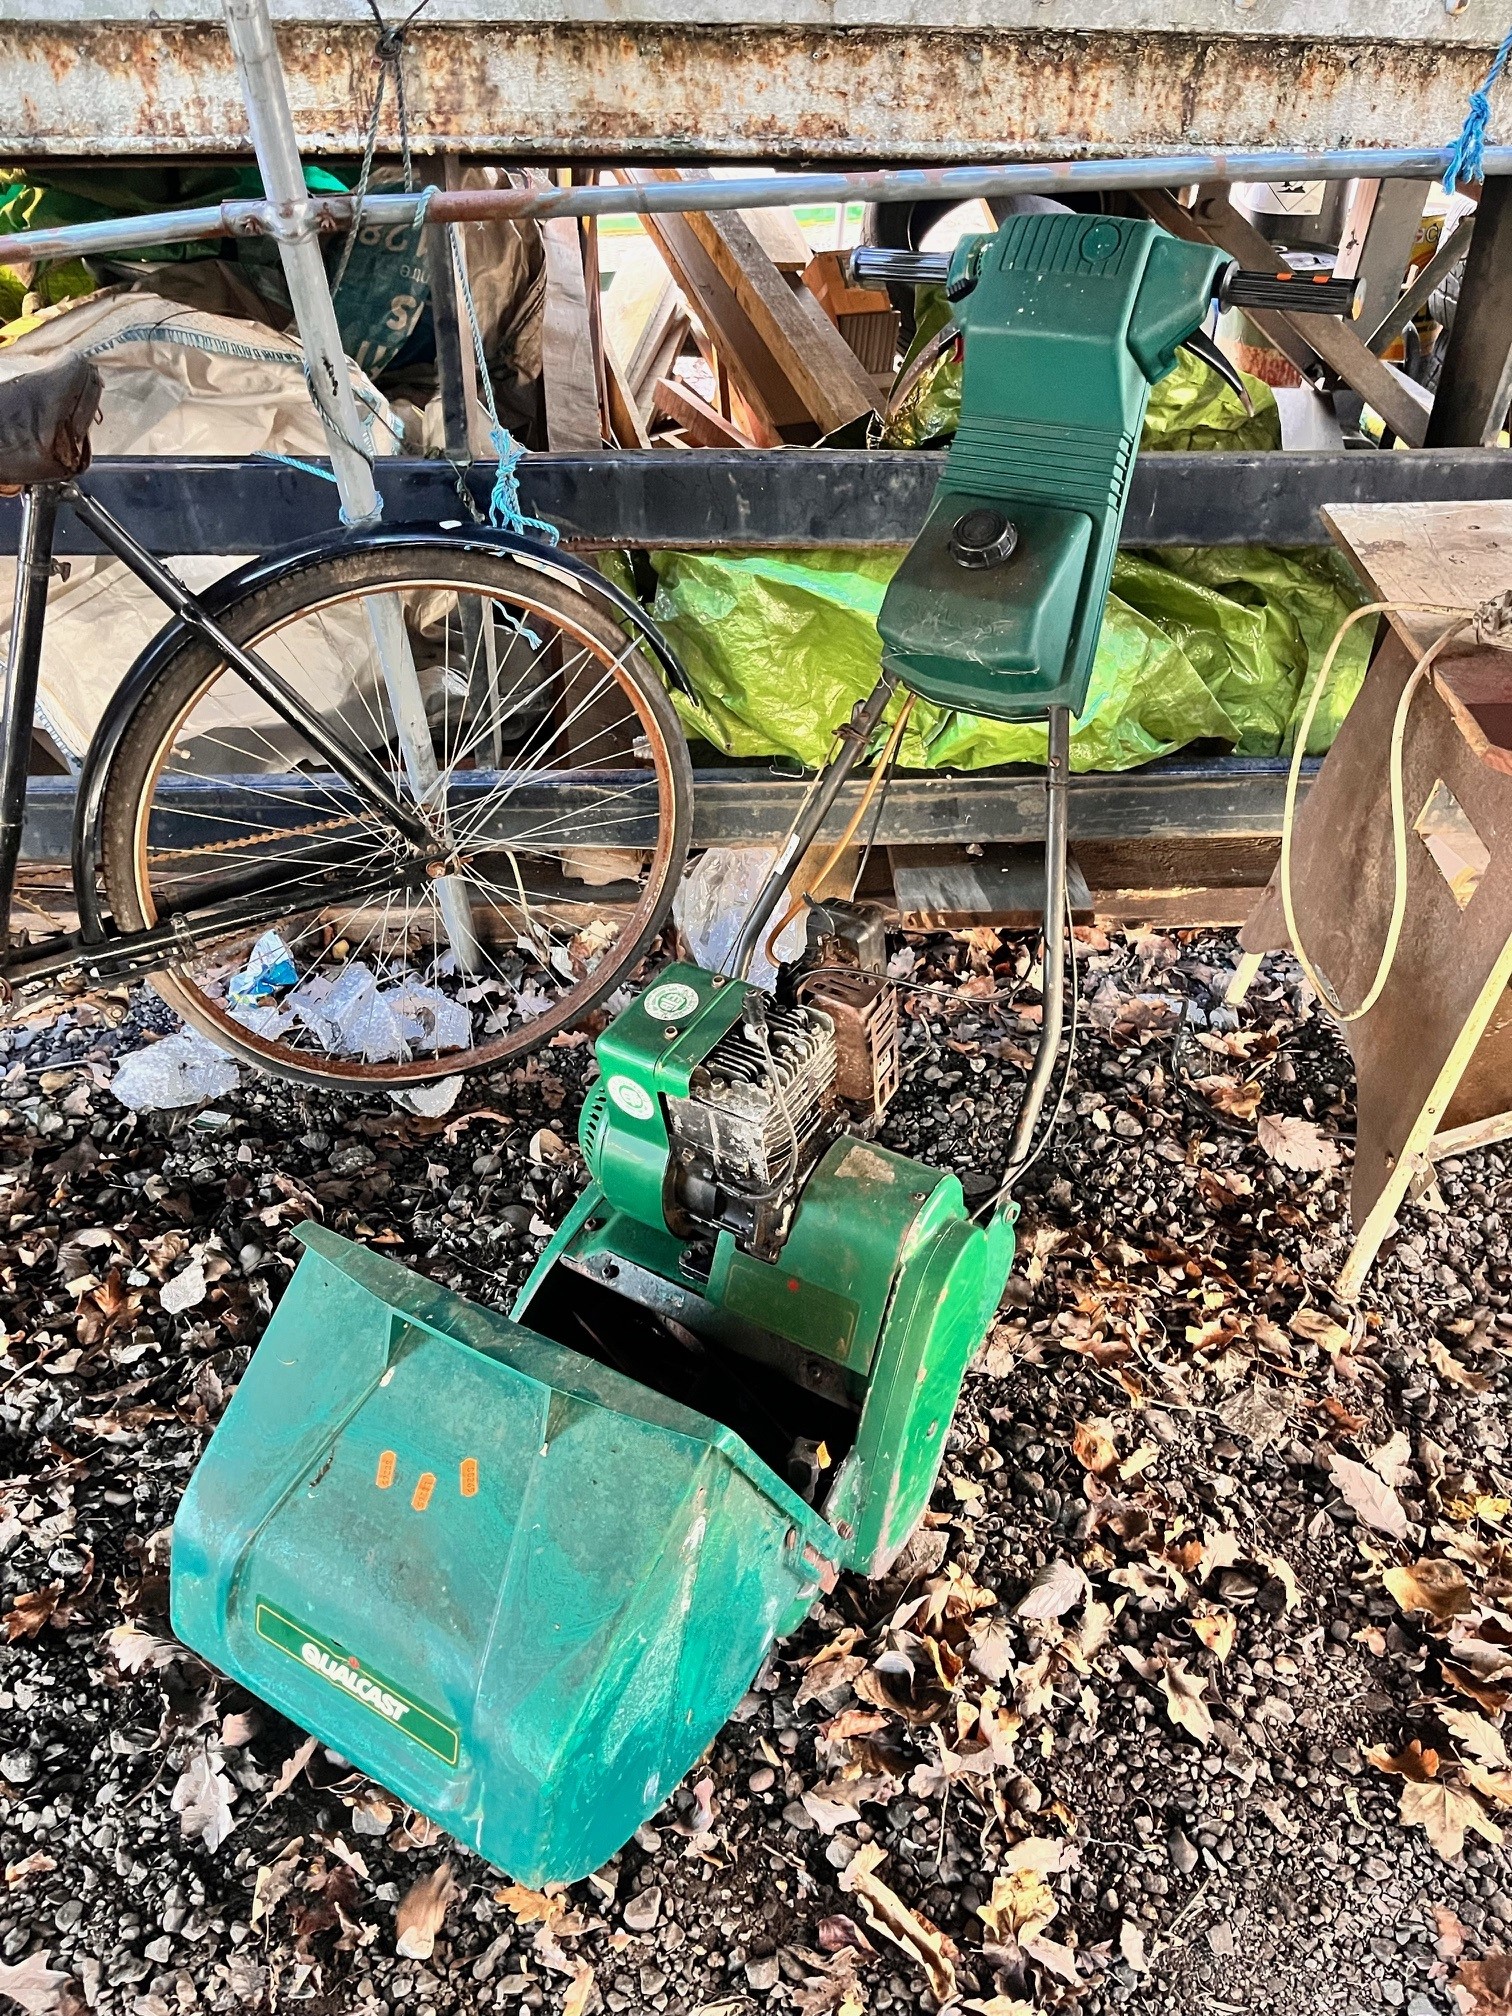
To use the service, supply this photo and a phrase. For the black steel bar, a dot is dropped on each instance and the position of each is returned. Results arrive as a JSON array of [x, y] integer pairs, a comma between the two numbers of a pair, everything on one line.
[[708, 499], [18, 704], [1181, 799], [353, 764], [1476, 384]]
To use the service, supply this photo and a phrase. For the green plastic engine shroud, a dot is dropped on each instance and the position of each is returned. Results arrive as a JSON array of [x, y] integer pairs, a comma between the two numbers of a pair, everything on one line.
[[1068, 321], [518, 1588]]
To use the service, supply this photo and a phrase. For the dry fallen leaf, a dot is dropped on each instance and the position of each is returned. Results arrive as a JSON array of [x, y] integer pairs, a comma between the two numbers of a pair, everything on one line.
[[1493, 1785], [1373, 1503], [37, 1987], [1094, 1447], [202, 1799], [1021, 1902], [421, 1910], [1131, 1945], [1412, 1762], [1320, 1328], [275, 1879], [1058, 1587], [290, 1769], [887, 1914], [1445, 1815], [1184, 1703], [137, 1651], [1296, 1144], [1435, 1586], [32, 1611], [580, 1990], [1481, 1738], [1484, 1987], [1392, 1462], [1216, 1631], [1447, 1366]]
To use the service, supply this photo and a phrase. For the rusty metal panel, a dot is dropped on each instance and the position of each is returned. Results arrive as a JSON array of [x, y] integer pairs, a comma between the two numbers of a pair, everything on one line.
[[822, 80]]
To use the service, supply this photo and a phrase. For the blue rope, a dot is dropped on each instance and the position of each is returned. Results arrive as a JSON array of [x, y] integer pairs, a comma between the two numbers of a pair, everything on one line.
[[1466, 163], [505, 513], [325, 475]]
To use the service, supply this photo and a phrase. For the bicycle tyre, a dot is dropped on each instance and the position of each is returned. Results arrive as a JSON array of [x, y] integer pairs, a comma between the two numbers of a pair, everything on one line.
[[327, 581]]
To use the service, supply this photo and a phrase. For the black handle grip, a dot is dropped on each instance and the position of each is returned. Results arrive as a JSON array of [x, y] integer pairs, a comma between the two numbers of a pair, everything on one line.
[[876, 266], [1297, 293]]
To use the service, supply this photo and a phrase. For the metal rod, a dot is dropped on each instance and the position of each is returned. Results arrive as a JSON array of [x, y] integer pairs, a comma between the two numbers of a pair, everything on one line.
[[355, 765], [854, 737], [18, 703], [248, 219], [1415, 294], [1053, 959], [273, 140]]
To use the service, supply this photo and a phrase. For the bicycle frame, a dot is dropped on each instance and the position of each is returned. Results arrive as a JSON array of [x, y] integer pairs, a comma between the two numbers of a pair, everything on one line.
[[100, 951]]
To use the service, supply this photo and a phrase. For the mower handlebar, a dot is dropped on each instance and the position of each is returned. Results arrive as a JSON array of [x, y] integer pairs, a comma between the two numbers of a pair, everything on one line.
[[1297, 293]]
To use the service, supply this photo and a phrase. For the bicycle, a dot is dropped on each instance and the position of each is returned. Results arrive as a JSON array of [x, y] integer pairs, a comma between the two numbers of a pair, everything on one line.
[[337, 873]]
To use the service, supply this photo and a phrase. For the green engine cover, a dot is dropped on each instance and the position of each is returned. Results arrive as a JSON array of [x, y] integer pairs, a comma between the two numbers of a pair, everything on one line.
[[1068, 322], [520, 1590]]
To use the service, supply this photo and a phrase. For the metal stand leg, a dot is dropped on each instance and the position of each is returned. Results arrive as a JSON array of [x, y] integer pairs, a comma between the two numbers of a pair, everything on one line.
[[18, 695], [1053, 965], [854, 737], [273, 139]]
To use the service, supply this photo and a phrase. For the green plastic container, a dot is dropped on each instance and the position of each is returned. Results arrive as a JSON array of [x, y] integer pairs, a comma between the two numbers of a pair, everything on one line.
[[522, 1591]]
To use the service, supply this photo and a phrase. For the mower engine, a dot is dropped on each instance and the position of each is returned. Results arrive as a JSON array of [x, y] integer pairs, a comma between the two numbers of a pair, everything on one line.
[[751, 1124]]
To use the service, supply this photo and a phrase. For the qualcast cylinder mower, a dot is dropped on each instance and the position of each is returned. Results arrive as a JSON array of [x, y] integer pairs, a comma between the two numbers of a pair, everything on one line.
[[521, 1570]]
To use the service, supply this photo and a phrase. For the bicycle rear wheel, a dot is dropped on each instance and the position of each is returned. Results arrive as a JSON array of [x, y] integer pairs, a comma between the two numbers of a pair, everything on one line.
[[563, 801]]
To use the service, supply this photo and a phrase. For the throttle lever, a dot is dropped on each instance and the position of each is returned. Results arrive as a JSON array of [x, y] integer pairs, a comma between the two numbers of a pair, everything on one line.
[[1202, 346]]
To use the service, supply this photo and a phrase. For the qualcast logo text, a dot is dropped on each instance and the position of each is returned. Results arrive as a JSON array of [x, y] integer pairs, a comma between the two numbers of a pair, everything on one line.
[[341, 1669], [354, 1681]]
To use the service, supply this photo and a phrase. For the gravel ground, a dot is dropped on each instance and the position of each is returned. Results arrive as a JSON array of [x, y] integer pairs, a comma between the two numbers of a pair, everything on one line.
[[1202, 1541]]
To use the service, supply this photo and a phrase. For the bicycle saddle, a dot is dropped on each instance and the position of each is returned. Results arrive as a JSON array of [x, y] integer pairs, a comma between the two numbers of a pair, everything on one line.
[[45, 418]]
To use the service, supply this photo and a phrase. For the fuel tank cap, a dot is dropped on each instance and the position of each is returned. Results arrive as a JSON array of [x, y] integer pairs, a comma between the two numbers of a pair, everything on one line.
[[982, 538]]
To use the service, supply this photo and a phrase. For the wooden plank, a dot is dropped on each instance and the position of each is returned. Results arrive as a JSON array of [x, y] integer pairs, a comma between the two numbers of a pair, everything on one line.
[[703, 423], [812, 354], [1476, 384], [1403, 408], [625, 420], [763, 384], [1455, 554], [780, 236], [567, 366], [666, 309]]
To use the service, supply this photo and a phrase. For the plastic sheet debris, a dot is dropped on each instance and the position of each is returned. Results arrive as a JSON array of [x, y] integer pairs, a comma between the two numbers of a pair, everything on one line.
[[354, 1015], [270, 964], [348, 1015], [429, 1101], [178, 1071], [711, 904], [429, 1019]]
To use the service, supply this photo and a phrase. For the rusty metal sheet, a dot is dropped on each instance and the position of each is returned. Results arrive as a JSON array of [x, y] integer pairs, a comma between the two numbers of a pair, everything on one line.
[[832, 80]]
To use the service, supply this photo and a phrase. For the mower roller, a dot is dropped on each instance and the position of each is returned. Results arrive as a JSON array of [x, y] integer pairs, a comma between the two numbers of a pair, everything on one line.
[[522, 1569]]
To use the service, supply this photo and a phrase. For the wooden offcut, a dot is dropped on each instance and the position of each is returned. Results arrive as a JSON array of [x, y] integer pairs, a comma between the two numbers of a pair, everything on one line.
[[1433, 1057], [568, 373], [792, 366]]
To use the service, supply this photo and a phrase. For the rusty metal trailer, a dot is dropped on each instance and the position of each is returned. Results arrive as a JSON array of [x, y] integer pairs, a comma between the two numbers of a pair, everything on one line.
[[855, 81], [1215, 90]]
